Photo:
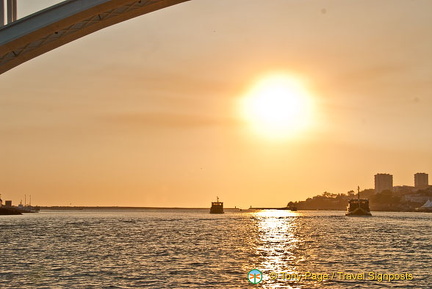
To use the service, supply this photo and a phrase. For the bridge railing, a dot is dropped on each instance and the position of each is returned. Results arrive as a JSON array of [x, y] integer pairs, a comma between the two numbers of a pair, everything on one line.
[[11, 11]]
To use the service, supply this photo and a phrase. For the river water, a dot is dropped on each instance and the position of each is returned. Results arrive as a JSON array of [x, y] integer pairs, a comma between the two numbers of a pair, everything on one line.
[[193, 249]]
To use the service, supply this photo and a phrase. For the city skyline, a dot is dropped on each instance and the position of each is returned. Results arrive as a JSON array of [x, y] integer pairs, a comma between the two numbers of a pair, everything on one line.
[[149, 112], [384, 181]]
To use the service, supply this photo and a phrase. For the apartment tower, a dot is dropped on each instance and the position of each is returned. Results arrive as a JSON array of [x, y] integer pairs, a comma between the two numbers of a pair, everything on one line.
[[383, 182], [421, 181]]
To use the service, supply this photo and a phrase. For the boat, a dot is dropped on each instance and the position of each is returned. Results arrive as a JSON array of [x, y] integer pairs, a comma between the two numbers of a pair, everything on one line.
[[21, 209], [358, 207], [217, 207], [8, 210], [27, 208]]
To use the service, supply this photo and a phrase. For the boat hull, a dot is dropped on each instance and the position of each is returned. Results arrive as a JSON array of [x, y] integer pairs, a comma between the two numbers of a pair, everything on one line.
[[9, 211], [217, 208], [359, 212], [358, 207]]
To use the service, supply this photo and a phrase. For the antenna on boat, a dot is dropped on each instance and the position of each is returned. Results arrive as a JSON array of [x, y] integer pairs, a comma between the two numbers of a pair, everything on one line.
[[217, 199], [358, 192]]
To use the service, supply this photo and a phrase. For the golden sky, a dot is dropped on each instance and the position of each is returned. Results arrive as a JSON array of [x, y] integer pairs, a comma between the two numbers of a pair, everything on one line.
[[146, 112]]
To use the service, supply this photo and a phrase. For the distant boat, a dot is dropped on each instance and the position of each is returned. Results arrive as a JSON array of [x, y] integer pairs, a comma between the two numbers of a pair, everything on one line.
[[4, 210], [9, 211], [358, 207], [27, 209], [21, 208], [217, 207]]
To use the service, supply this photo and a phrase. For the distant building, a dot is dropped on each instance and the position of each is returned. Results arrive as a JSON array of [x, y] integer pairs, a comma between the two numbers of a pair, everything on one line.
[[404, 189], [421, 181], [383, 182], [416, 198]]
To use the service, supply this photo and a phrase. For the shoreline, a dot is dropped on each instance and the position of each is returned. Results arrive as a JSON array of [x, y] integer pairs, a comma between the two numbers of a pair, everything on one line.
[[121, 208], [80, 208]]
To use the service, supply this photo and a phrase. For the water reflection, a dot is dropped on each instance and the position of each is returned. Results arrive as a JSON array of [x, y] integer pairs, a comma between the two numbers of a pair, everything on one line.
[[277, 246]]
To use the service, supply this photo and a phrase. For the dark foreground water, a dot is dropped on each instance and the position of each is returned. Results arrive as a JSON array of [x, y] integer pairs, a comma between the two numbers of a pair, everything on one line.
[[193, 249]]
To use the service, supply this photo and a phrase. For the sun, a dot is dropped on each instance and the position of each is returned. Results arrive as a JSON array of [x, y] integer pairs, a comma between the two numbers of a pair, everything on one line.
[[277, 106]]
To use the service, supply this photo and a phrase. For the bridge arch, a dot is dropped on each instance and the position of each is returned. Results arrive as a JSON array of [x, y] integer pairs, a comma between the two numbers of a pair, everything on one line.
[[65, 22]]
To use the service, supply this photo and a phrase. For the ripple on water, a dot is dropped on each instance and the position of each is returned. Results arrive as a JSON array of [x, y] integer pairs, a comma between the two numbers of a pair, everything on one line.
[[192, 249]]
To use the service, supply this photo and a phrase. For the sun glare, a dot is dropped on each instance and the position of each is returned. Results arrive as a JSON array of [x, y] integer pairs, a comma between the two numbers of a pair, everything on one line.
[[278, 106]]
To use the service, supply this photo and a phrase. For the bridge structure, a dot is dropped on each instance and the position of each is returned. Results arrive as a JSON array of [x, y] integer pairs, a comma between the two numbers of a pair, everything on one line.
[[26, 38]]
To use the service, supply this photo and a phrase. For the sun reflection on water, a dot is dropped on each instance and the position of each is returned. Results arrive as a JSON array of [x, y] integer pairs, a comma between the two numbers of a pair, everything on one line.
[[278, 243]]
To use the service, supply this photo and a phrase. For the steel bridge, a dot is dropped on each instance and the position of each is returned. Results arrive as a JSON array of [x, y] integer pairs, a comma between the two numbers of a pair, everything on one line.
[[28, 37]]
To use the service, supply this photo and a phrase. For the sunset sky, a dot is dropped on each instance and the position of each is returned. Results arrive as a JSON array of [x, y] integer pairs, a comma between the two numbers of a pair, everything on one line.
[[150, 112]]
